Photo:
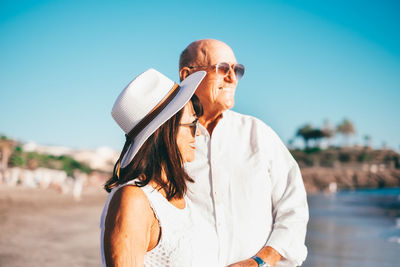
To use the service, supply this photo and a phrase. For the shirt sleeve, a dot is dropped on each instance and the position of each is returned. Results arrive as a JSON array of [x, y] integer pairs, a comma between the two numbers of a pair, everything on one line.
[[289, 203]]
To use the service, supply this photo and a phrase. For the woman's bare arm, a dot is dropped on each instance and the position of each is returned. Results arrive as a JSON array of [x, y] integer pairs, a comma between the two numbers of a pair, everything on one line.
[[127, 231]]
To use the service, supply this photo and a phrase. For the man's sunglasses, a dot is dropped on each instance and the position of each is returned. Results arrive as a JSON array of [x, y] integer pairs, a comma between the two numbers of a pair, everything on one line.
[[193, 126], [223, 69]]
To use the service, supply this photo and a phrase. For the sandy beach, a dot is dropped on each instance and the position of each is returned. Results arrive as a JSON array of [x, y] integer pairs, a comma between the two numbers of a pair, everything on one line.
[[41, 227]]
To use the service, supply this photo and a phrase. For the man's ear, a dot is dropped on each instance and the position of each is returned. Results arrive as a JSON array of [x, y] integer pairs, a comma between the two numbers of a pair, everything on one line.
[[183, 73]]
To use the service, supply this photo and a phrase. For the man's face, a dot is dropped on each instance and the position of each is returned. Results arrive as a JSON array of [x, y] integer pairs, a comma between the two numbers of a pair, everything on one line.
[[217, 92]]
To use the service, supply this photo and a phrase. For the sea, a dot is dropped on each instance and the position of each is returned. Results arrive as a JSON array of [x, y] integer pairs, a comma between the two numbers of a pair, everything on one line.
[[354, 228]]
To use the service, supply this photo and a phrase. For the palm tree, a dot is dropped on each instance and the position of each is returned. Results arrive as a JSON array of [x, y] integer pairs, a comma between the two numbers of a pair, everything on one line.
[[306, 133], [317, 135], [328, 131], [367, 140], [346, 128]]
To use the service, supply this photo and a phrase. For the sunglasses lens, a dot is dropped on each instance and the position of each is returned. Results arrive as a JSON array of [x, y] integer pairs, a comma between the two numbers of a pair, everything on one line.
[[223, 68], [239, 70], [196, 124]]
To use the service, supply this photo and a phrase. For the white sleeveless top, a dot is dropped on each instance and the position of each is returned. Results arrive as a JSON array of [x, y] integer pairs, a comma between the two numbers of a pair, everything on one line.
[[185, 239]]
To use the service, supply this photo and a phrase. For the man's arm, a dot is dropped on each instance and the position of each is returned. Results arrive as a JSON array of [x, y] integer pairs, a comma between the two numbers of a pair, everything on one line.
[[289, 204], [289, 208]]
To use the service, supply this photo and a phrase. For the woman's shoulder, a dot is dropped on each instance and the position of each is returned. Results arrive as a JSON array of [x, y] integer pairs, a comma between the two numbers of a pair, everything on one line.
[[131, 199]]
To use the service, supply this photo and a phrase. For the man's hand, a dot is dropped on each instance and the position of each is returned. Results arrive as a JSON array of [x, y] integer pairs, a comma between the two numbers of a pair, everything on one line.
[[267, 254]]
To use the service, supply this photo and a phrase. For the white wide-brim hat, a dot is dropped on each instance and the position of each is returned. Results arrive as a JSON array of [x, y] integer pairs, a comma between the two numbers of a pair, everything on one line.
[[137, 108]]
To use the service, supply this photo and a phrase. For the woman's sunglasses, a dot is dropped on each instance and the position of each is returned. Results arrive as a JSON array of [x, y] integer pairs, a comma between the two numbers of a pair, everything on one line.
[[193, 126]]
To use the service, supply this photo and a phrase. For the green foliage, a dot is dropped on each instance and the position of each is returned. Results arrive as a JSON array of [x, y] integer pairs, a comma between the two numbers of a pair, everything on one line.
[[302, 158], [388, 158], [396, 161], [17, 161], [344, 157], [308, 161], [327, 160], [312, 150], [66, 163], [333, 156], [364, 157], [307, 132], [69, 165], [17, 157]]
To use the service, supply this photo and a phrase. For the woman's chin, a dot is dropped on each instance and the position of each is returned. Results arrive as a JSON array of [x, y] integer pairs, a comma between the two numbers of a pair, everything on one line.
[[188, 158]]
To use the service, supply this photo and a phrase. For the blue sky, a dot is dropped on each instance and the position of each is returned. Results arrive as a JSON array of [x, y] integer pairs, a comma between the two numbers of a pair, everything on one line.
[[63, 63]]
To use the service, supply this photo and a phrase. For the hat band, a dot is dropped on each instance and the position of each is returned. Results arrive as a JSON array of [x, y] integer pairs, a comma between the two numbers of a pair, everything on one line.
[[156, 110]]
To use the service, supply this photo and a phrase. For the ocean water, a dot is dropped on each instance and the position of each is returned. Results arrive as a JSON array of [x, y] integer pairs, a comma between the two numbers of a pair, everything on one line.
[[354, 228]]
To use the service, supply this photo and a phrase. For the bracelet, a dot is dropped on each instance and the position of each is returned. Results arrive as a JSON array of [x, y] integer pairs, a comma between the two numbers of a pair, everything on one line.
[[260, 262]]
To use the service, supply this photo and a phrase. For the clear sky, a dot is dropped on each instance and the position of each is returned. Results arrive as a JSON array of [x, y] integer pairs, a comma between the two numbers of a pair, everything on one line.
[[63, 63]]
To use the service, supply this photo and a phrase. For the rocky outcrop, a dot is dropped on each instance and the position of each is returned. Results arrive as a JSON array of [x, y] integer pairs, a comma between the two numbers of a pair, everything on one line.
[[338, 168], [319, 179]]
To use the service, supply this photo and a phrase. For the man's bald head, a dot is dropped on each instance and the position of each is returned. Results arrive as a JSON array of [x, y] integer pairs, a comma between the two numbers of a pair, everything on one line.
[[200, 52]]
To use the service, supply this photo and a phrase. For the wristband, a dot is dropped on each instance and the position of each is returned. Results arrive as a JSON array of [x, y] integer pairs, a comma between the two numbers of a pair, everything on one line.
[[260, 262]]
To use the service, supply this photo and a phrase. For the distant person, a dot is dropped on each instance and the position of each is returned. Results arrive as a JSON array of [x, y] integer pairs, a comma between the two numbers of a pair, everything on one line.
[[147, 219], [248, 186]]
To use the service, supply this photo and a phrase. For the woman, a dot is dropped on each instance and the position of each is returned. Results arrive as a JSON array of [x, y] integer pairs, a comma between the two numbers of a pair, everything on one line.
[[147, 220]]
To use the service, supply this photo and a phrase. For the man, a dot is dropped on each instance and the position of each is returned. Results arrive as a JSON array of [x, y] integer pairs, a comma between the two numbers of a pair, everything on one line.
[[247, 185]]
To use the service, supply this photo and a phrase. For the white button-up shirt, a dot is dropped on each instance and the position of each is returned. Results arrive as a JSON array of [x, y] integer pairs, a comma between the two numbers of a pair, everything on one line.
[[249, 189]]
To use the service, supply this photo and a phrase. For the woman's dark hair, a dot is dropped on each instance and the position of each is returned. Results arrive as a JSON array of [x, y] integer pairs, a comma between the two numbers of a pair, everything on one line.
[[159, 153]]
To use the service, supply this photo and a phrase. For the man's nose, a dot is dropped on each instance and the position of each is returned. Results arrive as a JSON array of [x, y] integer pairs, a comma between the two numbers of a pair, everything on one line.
[[231, 76]]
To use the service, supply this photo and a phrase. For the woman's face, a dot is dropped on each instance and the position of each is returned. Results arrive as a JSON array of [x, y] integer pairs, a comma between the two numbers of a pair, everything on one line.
[[186, 133]]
